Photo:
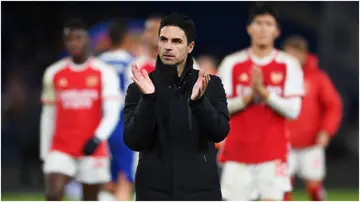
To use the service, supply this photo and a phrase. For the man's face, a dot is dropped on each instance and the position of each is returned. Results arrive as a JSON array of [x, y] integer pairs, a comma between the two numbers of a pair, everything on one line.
[[263, 30], [76, 42], [172, 45], [207, 63], [151, 32], [298, 54]]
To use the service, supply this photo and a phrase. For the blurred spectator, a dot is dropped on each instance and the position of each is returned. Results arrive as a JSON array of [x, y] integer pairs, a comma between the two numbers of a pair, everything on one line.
[[208, 63]]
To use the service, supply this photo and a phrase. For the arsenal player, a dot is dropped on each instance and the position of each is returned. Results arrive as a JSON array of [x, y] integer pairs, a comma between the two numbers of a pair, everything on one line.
[[264, 88], [318, 121], [81, 106]]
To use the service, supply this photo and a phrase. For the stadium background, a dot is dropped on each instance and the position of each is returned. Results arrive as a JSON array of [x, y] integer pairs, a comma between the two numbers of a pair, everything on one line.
[[31, 40]]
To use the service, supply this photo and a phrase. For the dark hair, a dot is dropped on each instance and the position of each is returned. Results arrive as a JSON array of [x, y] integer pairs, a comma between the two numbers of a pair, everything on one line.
[[181, 21], [296, 41], [262, 9], [117, 31], [73, 24]]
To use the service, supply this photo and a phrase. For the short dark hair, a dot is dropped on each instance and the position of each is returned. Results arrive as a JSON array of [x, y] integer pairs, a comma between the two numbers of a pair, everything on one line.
[[296, 41], [181, 21], [117, 31], [73, 24], [262, 9]]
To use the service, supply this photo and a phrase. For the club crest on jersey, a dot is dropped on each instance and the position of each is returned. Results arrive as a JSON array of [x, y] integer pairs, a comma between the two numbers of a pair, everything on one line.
[[276, 77], [92, 81], [243, 77], [62, 82]]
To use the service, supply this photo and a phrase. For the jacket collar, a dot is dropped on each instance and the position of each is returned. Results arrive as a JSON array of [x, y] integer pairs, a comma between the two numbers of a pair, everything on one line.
[[168, 72]]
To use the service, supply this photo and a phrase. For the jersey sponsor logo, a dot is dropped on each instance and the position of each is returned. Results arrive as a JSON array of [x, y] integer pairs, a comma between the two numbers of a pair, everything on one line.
[[276, 77], [92, 81], [62, 82], [78, 99]]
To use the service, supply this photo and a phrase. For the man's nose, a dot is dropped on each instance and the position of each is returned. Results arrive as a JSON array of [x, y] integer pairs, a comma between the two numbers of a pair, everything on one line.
[[168, 46]]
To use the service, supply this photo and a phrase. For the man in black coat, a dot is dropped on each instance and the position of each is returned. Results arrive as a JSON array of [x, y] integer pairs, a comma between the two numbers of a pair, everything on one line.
[[173, 117]]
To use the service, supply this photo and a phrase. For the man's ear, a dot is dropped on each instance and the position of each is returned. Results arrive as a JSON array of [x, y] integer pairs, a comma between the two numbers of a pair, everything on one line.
[[191, 47]]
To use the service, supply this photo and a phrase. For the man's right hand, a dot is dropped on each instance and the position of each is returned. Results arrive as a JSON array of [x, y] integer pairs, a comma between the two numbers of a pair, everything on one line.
[[142, 80]]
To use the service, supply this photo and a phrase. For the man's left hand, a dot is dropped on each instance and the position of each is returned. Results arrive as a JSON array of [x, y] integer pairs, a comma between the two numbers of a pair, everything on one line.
[[200, 85], [91, 146], [323, 139]]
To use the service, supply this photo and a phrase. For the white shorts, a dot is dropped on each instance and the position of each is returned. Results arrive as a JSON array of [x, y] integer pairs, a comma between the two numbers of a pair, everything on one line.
[[287, 185], [88, 170], [244, 182], [308, 163]]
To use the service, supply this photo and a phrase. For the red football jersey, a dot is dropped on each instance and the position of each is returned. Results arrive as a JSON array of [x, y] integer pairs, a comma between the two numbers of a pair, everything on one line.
[[77, 93], [257, 133]]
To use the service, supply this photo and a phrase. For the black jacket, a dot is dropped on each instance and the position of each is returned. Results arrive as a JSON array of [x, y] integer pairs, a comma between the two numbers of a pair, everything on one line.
[[176, 136]]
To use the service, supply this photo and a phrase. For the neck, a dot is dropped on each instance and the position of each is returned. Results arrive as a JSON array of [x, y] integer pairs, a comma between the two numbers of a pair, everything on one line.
[[180, 68], [122, 46], [80, 59], [261, 51]]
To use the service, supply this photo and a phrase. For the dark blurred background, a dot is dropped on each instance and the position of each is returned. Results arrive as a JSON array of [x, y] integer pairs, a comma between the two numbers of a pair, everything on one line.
[[32, 39]]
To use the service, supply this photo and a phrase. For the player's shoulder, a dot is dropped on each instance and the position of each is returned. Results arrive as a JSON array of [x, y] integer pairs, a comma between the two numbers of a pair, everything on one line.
[[57, 66], [100, 65], [116, 55], [236, 57], [283, 57]]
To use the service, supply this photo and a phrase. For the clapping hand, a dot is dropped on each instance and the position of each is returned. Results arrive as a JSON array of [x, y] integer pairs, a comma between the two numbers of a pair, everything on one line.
[[200, 85], [258, 87], [257, 78], [142, 80]]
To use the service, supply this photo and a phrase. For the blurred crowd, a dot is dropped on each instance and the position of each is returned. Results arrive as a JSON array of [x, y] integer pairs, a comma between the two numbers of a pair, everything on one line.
[[29, 46]]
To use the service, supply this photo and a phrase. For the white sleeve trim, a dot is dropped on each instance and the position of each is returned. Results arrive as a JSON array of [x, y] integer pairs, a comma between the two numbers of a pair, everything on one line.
[[111, 117], [47, 126], [48, 91], [294, 83], [111, 84], [225, 74], [288, 107], [235, 104]]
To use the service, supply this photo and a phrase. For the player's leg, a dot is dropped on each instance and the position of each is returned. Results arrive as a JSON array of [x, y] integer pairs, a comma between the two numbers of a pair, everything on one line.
[[237, 182], [270, 180], [313, 171], [292, 165], [73, 191], [136, 162], [125, 178], [93, 174], [59, 168], [91, 192], [108, 190]]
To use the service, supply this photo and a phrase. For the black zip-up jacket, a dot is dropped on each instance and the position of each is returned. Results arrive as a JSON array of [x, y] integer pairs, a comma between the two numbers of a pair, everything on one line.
[[175, 135]]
